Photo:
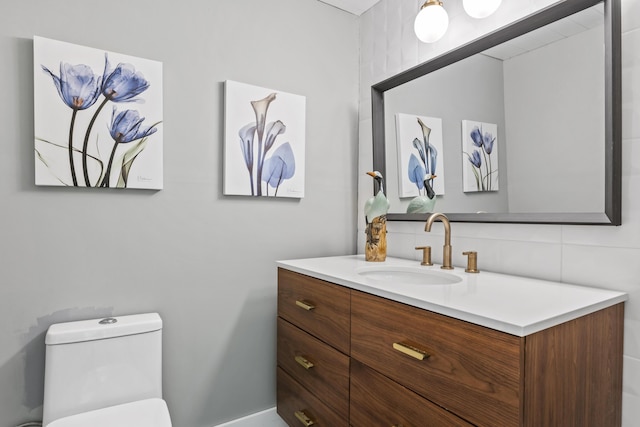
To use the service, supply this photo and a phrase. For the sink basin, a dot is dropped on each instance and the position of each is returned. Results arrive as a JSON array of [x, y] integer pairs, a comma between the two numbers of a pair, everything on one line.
[[408, 275]]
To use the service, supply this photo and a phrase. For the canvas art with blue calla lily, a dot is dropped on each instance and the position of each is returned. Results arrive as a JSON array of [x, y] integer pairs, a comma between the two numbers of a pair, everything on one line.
[[98, 149], [272, 170], [422, 172], [264, 142]]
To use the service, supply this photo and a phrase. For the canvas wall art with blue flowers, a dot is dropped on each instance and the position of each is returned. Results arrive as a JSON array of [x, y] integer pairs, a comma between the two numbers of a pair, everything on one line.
[[97, 117], [264, 143], [479, 156]]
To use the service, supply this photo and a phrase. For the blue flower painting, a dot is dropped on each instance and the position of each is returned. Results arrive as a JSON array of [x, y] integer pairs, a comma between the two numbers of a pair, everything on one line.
[[97, 117], [479, 156], [420, 155], [264, 142]]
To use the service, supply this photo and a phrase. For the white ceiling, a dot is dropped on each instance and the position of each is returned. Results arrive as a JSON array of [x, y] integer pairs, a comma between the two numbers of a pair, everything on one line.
[[567, 27], [357, 7]]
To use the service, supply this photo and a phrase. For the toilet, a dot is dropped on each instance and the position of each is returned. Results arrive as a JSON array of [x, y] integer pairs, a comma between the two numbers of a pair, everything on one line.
[[105, 373]]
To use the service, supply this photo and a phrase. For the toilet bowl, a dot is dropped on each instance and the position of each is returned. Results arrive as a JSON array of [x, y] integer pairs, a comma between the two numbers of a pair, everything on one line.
[[105, 373]]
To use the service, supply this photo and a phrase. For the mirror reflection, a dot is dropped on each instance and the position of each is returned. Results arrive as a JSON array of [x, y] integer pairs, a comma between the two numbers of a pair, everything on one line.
[[518, 130]]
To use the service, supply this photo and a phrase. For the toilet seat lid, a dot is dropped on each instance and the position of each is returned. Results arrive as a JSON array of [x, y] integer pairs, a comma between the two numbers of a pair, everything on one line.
[[143, 413]]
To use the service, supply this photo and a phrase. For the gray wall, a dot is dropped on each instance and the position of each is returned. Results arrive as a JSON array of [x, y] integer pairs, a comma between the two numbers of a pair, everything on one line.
[[562, 153], [204, 261]]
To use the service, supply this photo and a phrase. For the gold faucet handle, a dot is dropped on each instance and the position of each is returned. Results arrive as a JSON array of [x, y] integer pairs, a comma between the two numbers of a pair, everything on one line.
[[472, 262], [426, 254]]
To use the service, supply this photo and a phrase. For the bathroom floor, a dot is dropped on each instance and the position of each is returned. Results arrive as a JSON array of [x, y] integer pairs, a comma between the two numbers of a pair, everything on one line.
[[268, 418], [273, 421]]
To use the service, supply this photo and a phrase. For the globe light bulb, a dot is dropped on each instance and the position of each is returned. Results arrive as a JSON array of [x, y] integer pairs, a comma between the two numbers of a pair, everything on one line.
[[432, 22], [480, 8]]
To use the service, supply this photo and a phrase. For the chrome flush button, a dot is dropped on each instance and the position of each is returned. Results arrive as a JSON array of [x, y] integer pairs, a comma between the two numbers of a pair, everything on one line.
[[108, 321]]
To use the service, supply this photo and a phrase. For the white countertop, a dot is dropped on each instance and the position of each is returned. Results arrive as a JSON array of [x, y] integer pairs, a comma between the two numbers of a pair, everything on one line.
[[512, 304]]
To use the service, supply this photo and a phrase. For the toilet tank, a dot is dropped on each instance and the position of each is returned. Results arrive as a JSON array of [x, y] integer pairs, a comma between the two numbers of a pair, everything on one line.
[[93, 364]]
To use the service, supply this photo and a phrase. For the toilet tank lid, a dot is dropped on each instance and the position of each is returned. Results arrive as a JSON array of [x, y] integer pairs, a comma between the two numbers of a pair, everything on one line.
[[98, 329]]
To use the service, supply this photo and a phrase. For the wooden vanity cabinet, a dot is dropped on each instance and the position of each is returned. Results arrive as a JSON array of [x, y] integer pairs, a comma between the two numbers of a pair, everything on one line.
[[472, 371], [299, 407], [314, 330], [413, 368], [320, 308], [379, 401], [318, 367]]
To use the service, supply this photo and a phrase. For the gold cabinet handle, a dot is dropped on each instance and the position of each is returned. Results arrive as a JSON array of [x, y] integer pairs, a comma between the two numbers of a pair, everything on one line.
[[304, 362], [411, 350], [304, 304], [306, 421]]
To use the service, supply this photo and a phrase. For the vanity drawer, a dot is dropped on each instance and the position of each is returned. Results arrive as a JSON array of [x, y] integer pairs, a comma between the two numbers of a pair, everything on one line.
[[318, 307], [471, 370], [378, 401], [295, 404], [320, 368]]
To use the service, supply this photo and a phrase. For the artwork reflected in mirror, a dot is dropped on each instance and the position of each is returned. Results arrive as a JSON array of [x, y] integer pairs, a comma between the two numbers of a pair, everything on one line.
[[420, 160], [480, 156]]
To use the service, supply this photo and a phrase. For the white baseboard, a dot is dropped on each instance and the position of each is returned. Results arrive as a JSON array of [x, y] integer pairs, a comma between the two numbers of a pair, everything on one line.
[[266, 418]]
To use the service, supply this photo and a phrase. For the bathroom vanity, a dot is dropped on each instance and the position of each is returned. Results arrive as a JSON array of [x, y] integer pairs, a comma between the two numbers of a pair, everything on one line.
[[398, 344]]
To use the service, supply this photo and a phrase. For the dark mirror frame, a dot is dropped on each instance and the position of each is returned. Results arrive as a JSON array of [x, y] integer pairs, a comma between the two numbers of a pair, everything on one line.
[[613, 113]]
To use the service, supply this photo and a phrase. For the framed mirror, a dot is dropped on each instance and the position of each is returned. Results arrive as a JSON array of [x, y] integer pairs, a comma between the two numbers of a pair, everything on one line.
[[545, 94]]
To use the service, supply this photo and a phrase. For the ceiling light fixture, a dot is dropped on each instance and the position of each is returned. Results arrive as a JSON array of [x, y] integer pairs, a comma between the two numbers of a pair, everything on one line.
[[480, 8], [432, 21]]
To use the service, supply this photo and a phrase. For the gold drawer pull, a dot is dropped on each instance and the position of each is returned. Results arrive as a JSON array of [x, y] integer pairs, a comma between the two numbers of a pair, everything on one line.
[[306, 421], [411, 350], [304, 362], [306, 305]]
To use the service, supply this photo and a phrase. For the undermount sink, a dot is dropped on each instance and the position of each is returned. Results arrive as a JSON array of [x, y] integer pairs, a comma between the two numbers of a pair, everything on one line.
[[408, 275]]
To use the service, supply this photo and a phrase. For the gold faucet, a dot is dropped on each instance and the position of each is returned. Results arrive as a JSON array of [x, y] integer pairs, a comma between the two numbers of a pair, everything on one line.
[[446, 249]]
